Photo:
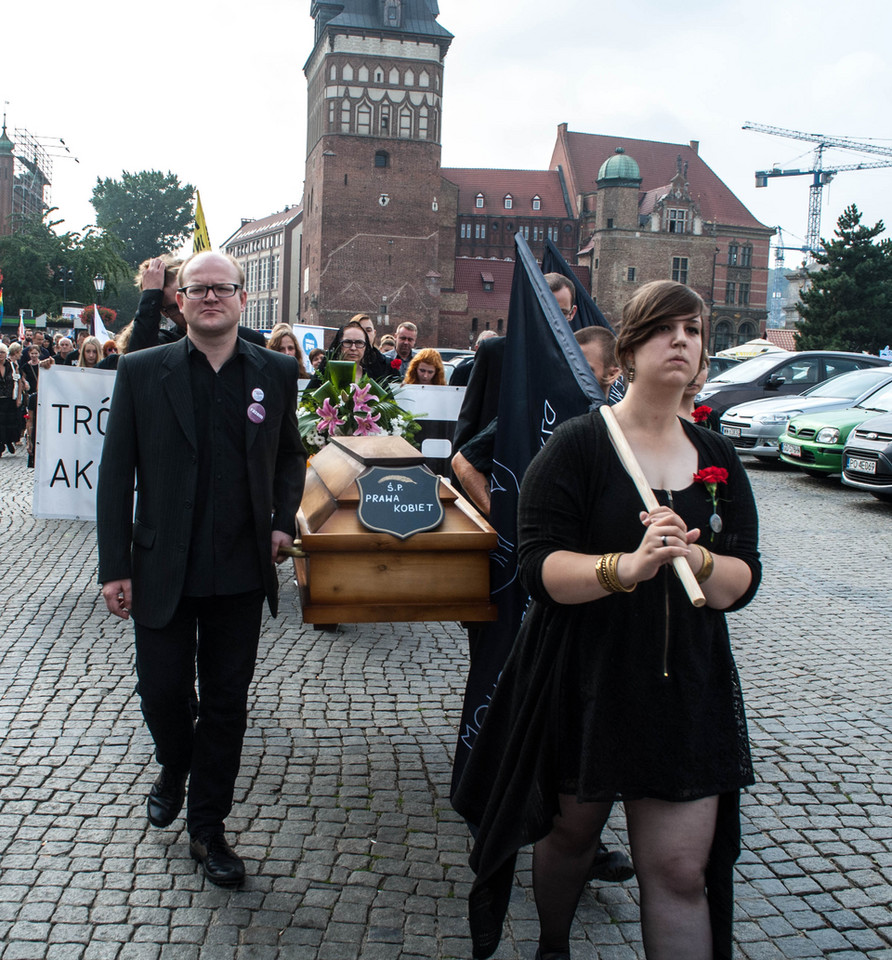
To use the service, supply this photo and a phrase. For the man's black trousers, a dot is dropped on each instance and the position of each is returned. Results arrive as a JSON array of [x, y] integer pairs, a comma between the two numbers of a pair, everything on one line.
[[219, 635]]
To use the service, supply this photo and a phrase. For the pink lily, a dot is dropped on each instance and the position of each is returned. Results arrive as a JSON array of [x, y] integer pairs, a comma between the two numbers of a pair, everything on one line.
[[361, 398], [366, 426], [328, 417]]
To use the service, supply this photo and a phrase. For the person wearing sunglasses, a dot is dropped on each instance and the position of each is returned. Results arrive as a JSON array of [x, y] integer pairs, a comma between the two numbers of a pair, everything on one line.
[[157, 278]]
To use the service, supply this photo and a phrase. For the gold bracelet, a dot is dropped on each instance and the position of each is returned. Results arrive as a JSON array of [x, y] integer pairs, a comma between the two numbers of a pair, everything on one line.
[[608, 576], [708, 564]]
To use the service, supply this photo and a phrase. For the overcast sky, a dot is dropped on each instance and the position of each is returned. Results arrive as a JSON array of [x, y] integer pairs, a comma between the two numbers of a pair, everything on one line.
[[214, 91]]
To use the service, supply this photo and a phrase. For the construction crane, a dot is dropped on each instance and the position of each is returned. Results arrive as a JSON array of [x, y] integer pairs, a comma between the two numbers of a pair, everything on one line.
[[819, 174], [775, 313]]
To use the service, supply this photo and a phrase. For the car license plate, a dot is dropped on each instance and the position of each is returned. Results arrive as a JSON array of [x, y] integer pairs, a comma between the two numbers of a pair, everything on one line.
[[730, 431], [791, 449], [862, 466]]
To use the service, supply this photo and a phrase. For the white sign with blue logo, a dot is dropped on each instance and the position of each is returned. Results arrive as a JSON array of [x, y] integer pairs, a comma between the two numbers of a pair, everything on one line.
[[309, 338]]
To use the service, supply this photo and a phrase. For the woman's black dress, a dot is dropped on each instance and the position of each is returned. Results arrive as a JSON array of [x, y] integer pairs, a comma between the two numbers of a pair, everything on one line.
[[633, 695]]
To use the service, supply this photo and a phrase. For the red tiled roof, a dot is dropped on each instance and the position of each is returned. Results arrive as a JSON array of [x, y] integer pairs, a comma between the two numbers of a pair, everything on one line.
[[785, 339], [470, 273], [657, 161], [523, 185]]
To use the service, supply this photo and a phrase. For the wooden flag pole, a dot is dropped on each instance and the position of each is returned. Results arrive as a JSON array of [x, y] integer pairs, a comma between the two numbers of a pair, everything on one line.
[[633, 468]]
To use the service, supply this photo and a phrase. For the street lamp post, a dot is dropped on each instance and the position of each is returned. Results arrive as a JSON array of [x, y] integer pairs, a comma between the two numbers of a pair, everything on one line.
[[99, 285], [66, 276]]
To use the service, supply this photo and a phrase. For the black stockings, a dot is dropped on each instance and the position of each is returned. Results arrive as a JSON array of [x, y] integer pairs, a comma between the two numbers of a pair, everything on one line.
[[561, 864]]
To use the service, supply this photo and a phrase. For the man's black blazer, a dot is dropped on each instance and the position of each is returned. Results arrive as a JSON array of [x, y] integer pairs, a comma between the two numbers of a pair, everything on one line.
[[151, 433]]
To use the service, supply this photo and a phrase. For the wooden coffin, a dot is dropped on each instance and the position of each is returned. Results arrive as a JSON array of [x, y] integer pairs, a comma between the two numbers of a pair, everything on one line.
[[351, 574]]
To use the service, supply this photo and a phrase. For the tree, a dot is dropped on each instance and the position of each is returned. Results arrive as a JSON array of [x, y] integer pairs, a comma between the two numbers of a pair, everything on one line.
[[150, 211], [848, 304], [30, 259]]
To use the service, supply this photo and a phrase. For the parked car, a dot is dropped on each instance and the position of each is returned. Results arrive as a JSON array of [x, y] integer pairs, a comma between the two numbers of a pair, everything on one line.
[[453, 354], [815, 442], [754, 427], [450, 364], [775, 374], [718, 365], [867, 458]]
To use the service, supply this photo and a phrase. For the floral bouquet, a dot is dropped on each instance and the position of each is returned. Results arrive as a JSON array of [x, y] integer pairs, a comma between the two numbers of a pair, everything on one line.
[[342, 408]]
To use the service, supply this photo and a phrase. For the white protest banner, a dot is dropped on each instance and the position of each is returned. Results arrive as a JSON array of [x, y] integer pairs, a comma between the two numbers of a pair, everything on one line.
[[72, 408]]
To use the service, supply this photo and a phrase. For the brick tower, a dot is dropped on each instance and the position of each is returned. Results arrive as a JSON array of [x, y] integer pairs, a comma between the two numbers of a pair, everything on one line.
[[7, 180], [372, 218]]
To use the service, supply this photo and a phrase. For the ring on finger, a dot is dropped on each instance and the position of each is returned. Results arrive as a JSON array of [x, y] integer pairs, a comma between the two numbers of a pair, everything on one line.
[[663, 538]]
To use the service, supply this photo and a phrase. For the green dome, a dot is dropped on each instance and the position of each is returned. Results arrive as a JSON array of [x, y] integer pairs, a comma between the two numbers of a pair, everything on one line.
[[619, 167]]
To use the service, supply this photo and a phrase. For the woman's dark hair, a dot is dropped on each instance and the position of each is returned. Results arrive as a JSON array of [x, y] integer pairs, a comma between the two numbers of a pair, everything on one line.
[[334, 351], [652, 303]]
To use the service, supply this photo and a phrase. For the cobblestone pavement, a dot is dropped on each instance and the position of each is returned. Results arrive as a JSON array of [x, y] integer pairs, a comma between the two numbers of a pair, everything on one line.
[[342, 810]]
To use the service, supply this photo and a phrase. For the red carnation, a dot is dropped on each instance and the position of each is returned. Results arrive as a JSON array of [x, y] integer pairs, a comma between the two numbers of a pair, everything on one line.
[[396, 363], [701, 413], [712, 475]]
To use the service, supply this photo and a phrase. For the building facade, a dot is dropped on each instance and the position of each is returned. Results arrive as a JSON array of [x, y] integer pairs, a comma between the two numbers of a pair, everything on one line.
[[269, 252], [649, 210]]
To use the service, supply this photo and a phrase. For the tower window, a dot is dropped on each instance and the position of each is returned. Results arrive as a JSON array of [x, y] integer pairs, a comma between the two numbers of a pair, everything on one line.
[[381, 158], [364, 119], [422, 123], [385, 118], [732, 254], [478, 201], [630, 274], [405, 122], [610, 223], [509, 201], [746, 256], [537, 203]]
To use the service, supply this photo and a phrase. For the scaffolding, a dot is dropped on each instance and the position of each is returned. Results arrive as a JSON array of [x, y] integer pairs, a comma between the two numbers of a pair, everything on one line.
[[33, 176]]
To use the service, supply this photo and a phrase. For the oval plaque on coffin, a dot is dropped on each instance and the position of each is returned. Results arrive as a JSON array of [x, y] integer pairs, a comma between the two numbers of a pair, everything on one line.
[[400, 501]]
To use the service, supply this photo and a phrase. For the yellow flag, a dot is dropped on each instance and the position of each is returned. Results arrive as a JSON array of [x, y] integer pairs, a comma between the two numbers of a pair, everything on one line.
[[200, 239]]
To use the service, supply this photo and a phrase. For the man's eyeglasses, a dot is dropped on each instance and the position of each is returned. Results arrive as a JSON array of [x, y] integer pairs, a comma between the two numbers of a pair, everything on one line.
[[198, 291], [353, 343]]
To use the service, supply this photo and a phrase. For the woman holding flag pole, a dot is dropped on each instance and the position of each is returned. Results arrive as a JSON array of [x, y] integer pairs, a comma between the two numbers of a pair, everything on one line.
[[621, 684]]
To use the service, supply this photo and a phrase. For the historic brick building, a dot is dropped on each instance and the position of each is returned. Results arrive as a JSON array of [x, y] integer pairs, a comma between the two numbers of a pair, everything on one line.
[[648, 211], [375, 215], [388, 232]]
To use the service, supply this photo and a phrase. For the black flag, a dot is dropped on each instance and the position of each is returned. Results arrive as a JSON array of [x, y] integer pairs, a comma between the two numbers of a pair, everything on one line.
[[587, 312], [545, 381]]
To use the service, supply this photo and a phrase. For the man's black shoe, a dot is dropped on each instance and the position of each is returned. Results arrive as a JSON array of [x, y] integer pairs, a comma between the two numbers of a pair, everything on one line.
[[166, 798], [611, 866], [221, 863]]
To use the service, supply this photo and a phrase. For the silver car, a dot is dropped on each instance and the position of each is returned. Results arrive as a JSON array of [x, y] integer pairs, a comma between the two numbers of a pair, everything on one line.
[[754, 427]]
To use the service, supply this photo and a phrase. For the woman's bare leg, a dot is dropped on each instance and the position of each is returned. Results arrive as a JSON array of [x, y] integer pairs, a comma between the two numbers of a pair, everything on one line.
[[670, 846], [561, 863]]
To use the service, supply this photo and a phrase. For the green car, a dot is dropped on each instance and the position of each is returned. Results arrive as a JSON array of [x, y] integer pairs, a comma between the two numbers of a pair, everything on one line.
[[815, 443]]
